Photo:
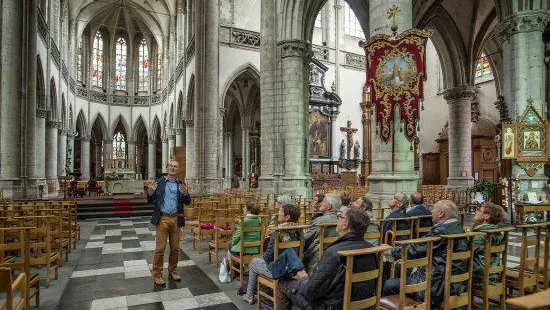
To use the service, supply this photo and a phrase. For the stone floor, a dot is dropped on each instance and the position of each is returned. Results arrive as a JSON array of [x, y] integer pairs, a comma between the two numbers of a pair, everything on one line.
[[111, 269]]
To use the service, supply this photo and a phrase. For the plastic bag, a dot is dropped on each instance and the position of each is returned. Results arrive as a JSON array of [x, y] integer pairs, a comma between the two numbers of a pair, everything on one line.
[[224, 274]]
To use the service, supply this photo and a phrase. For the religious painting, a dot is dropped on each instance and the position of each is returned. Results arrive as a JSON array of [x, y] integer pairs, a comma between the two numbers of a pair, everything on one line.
[[531, 141], [397, 70], [508, 141], [319, 129]]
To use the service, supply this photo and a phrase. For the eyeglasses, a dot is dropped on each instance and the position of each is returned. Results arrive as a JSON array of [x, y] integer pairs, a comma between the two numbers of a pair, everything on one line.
[[339, 216]]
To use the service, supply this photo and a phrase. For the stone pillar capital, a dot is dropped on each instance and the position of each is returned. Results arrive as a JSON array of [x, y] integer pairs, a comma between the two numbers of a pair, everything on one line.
[[460, 93], [108, 141], [41, 113], [53, 124], [228, 134], [152, 141], [62, 132], [188, 123], [71, 134], [295, 48], [133, 142], [164, 140], [171, 137], [85, 138], [179, 131], [526, 21]]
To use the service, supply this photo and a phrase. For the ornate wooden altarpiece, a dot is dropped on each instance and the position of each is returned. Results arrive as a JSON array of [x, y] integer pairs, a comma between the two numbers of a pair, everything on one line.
[[324, 106]]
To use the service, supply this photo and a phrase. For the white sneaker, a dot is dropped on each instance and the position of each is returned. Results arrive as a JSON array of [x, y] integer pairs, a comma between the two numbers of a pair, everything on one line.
[[249, 300]]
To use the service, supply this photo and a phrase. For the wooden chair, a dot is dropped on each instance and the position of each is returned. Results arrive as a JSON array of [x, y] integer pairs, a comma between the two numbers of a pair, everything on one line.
[[465, 298], [279, 247], [544, 265], [354, 277], [524, 277], [236, 263], [540, 300], [206, 219], [221, 235], [419, 230], [487, 288], [397, 233], [40, 245], [327, 235], [401, 301], [372, 236], [8, 286], [190, 214]]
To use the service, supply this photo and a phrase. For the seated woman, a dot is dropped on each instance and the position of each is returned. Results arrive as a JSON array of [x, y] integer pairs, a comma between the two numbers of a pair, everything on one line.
[[488, 216], [250, 219]]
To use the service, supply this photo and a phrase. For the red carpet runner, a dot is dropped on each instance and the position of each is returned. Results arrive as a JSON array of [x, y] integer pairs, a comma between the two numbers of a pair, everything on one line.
[[122, 206]]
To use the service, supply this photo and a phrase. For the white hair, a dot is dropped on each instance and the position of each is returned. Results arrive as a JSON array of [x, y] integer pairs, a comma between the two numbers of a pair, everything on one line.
[[335, 201], [284, 200]]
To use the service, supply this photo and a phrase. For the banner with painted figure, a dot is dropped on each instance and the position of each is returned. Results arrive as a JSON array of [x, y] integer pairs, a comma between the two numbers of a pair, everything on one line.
[[395, 74]]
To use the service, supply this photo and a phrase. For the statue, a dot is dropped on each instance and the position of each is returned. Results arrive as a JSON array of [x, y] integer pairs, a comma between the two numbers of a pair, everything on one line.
[[356, 150], [343, 149]]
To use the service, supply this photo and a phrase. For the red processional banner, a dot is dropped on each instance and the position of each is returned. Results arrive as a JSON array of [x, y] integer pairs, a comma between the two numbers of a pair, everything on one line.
[[395, 74]]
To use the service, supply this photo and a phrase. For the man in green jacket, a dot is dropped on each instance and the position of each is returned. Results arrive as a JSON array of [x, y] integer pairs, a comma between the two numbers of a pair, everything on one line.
[[488, 216], [250, 219]]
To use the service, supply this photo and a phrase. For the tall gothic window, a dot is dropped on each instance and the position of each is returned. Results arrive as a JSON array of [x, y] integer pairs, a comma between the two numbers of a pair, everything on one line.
[[120, 64], [143, 66], [318, 23], [352, 27], [79, 61], [483, 69], [97, 60], [119, 146], [159, 72]]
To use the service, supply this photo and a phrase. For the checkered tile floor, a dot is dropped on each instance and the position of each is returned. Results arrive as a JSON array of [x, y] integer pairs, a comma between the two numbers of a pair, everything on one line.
[[114, 272]]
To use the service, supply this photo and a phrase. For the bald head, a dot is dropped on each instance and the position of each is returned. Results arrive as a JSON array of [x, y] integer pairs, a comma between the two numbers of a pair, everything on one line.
[[444, 210], [417, 199]]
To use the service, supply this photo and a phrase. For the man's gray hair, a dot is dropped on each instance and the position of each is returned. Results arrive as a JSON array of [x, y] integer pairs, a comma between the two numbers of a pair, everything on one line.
[[401, 197], [284, 200], [448, 207], [335, 201]]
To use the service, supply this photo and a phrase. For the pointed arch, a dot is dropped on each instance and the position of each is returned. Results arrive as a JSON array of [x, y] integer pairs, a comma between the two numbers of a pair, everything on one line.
[[155, 128], [139, 127], [40, 85], [53, 101], [81, 126], [190, 110], [114, 124], [171, 120], [242, 90], [247, 68], [164, 124], [98, 122]]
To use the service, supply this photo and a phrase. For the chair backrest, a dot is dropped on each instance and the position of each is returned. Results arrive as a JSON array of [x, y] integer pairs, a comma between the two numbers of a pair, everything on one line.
[[546, 258], [399, 234], [419, 229], [375, 235], [529, 263], [327, 235], [425, 262], [452, 277], [279, 246], [249, 244], [355, 277]]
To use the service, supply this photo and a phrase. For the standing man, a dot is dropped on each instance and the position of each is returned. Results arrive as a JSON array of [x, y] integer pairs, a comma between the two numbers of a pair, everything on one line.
[[169, 195]]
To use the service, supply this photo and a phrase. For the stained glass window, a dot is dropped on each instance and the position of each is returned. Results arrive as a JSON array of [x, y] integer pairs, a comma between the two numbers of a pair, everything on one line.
[[120, 64], [483, 69], [97, 60], [352, 27], [143, 66], [159, 72], [119, 146], [79, 62]]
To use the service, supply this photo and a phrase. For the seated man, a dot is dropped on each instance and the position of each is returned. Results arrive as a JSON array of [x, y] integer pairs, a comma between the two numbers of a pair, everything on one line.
[[323, 288], [316, 204], [417, 202], [488, 216], [250, 219], [365, 204], [444, 216], [288, 216], [398, 205], [91, 186], [329, 207]]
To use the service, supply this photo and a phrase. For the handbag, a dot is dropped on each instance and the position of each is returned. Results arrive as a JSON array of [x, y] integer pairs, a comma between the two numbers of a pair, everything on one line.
[[224, 274]]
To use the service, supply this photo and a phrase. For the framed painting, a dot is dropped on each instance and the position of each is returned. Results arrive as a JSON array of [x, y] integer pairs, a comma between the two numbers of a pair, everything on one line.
[[319, 131], [509, 145], [531, 141]]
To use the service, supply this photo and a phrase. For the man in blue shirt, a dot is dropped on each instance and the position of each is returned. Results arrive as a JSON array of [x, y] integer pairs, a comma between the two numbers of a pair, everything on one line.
[[418, 209], [169, 195]]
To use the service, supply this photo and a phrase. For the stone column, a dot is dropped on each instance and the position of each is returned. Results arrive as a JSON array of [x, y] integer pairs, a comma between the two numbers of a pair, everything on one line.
[[245, 150], [107, 155], [61, 151], [385, 180], [228, 143], [12, 106], [51, 150], [171, 147], [460, 136], [208, 131], [296, 56], [524, 81], [40, 144], [189, 150], [366, 119], [97, 155], [152, 160], [70, 151], [131, 162], [85, 157], [180, 137], [164, 154]]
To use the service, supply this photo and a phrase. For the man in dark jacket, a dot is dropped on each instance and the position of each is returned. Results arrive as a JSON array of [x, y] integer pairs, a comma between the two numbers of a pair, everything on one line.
[[418, 209], [324, 287], [398, 205], [169, 195], [444, 216]]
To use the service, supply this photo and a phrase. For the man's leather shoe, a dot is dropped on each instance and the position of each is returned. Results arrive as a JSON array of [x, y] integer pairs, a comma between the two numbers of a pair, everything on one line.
[[159, 280], [175, 276]]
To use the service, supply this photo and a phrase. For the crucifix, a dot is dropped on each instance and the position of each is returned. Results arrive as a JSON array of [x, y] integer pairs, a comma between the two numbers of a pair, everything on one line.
[[349, 133], [392, 13]]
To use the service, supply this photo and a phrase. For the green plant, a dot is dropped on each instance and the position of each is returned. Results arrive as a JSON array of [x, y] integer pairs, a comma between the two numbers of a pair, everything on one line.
[[486, 187]]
